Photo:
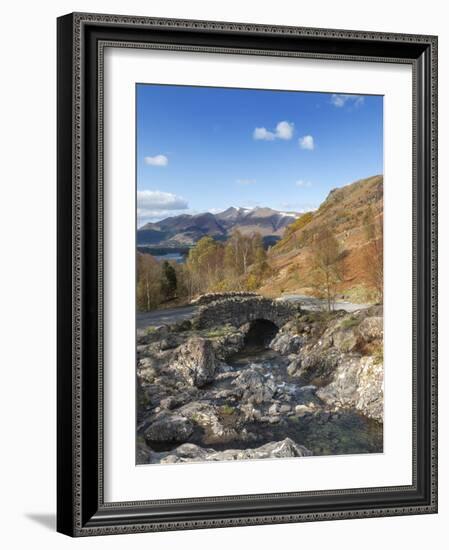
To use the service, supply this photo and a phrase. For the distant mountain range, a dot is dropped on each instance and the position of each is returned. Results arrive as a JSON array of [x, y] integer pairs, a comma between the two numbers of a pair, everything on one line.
[[186, 230]]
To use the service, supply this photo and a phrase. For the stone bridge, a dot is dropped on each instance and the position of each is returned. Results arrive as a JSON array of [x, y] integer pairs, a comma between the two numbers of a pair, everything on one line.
[[237, 311]]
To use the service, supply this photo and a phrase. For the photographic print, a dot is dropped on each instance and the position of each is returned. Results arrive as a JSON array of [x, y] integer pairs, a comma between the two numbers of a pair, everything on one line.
[[237, 290], [259, 274]]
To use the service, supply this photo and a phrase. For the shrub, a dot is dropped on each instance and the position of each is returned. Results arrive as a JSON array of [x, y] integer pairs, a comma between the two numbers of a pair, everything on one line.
[[349, 322]]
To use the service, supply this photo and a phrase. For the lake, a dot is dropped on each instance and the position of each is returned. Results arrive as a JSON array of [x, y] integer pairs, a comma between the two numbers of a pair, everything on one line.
[[178, 255]]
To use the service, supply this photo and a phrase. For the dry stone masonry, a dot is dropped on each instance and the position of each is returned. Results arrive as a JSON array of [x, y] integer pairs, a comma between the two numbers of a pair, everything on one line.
[[237, 311]]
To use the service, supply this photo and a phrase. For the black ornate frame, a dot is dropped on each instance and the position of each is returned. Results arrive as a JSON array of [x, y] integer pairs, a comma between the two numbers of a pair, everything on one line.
[[81, 507]]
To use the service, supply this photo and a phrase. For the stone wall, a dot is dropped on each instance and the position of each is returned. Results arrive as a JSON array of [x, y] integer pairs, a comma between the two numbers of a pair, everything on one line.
[[237, 311]]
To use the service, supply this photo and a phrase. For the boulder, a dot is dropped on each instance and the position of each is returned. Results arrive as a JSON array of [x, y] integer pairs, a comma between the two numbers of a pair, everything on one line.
[[142, 452], [345, 340], [195, 362], [294, 366], [286, 343], [255, 387], [169, 428], [169, 342], [318, 364], [358, 383], [207, 416], [188, 452], [228, 345], [147, 374], [182, 326], [371, 328]]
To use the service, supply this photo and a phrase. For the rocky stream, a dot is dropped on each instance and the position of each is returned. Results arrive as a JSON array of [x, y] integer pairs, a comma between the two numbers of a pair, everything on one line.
[[313, 386]]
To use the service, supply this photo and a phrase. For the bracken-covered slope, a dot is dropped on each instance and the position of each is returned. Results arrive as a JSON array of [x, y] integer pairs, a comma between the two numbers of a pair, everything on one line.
[[344, 213]]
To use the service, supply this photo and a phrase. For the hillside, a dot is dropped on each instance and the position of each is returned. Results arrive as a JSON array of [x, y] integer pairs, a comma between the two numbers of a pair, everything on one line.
[[188, 229], [344, 213]]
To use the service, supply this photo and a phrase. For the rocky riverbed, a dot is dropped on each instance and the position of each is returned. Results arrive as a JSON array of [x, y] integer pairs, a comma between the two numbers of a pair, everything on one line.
[[313, 386]]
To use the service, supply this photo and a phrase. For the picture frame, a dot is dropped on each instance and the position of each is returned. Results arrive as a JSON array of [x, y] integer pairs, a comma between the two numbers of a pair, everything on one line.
[[81, 507]]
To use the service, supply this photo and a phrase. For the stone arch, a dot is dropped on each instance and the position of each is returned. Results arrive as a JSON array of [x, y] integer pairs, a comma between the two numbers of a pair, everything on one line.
[[239, 311], [260, 333]]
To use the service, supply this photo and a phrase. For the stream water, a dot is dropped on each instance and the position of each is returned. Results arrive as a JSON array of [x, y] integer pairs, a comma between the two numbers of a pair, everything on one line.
[[323, 432]]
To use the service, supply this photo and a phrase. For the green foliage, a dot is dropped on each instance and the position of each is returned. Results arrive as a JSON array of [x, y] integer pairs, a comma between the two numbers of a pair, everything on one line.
[[169, 281], [350, 322], [205, 265], [227, 410], [217, 332]]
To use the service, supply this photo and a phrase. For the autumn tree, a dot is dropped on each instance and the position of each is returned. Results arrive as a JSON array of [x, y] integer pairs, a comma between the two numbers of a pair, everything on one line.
[[259, 270], [374, 251], [233, 255], [327, 265], [205, 262], [148, 289]]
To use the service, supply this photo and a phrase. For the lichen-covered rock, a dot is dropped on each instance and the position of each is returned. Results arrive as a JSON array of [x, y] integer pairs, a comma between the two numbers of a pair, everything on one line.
[[188, 452], [371, 328], [357, 383], [169, 428], [210, 419], [346, 340], [302, 410], [294, 366], [286, 343], [254, 386], [147, 373], [169, 342], [317, 364], [229, 344], [195, 361]]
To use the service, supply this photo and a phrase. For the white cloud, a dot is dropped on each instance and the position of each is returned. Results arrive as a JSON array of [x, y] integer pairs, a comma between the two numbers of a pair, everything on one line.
[[283, 130], [307, 142], [246, 181], [158, 160], [159, 200], [303, 183], [340, 100], [263, 133]]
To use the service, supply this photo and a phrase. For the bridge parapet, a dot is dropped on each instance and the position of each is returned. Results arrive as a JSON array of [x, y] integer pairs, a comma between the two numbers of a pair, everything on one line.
[[210, 297]]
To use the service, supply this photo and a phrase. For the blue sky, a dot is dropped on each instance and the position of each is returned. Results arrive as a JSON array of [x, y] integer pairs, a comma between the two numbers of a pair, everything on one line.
[[205, 149]]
